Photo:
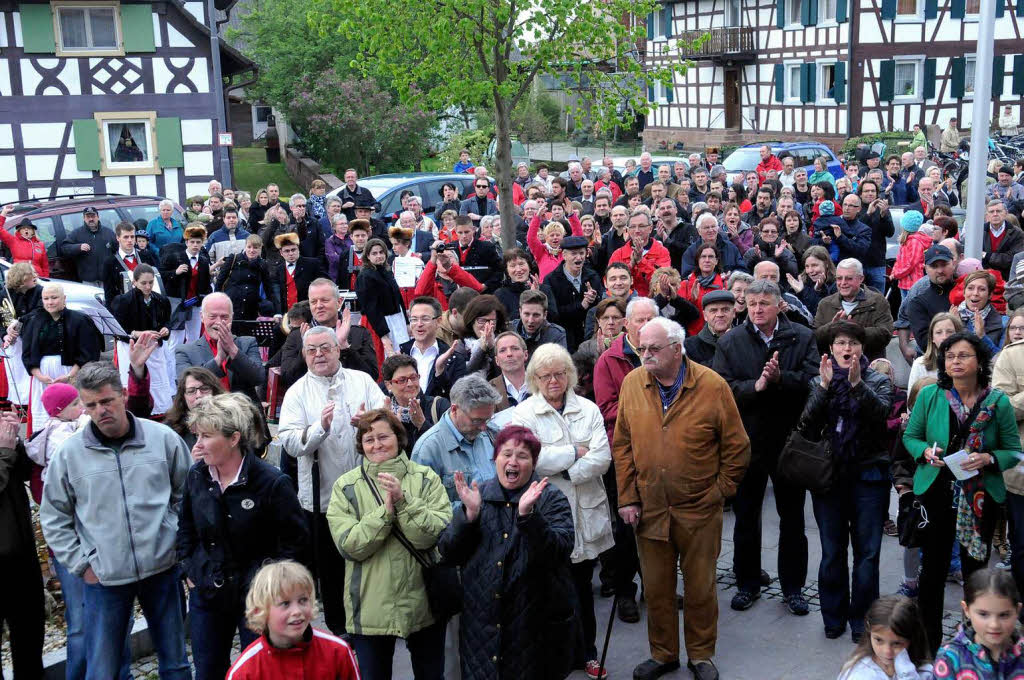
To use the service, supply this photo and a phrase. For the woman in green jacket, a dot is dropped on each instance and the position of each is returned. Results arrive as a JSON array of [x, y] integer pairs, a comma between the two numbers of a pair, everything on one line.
[[821, 172], [962, 414], [387, 494]]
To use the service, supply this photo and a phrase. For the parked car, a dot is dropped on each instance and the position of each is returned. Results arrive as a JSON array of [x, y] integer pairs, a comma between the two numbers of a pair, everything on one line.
[[745, 158], [387, 189], [620, 161], [55, 218]]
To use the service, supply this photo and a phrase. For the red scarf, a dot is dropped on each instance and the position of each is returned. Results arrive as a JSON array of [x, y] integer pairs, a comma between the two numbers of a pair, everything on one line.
[[226, 380]]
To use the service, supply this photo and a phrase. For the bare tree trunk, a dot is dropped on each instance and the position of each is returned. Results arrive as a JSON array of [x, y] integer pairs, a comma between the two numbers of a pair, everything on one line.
[[503, 171]]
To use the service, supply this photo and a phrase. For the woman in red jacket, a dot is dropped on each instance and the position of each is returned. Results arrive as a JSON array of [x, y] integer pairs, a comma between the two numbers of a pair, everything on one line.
[[23, 244], [705, 278]]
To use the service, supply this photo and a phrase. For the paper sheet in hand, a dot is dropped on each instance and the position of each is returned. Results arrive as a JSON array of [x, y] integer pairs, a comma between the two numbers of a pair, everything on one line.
[[954, 461], [398, 329]]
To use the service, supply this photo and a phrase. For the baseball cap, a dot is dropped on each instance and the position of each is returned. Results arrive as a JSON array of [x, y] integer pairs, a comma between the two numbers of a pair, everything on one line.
[[90, 210], [936, 253]]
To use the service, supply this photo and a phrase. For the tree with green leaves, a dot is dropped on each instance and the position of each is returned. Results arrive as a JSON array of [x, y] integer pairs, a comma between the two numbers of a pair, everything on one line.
[[488, 53]]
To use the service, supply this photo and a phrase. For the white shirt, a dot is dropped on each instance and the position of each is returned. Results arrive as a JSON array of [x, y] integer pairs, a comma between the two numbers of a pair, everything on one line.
[[300, 432], [519, 394], [424, 362], [848, 307], [997, 232], [768, 338]]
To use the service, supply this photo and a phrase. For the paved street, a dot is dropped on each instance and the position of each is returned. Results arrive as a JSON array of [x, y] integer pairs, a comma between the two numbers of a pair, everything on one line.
[[763, 643]]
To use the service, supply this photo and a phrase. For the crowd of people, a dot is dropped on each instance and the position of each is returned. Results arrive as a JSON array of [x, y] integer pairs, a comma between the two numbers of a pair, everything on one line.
[[497, 421]]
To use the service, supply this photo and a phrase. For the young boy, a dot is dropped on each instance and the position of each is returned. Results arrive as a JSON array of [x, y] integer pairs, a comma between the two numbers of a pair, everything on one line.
[[281, 607]]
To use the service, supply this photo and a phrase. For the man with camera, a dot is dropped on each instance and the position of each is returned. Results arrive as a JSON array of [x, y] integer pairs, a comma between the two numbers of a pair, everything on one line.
[[874, 214]]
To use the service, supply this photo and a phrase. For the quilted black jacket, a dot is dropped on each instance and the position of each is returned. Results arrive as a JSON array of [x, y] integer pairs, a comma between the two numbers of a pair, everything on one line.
[[519, 616]]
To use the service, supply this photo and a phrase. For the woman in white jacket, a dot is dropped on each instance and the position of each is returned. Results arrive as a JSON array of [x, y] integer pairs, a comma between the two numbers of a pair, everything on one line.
[[574, 454]]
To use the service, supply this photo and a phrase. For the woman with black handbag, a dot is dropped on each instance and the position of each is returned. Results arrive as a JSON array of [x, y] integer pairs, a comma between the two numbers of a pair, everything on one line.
[[960, 416], [385, 517], [848, 404]]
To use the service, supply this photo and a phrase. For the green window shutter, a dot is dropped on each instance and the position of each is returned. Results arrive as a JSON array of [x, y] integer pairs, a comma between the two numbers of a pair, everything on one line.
[[667, 20], [841, 11], [780, 82], [929, 79], [650, 26], [808, 92], [137, 28], [37, 29], [650, 93], [958, 9], [931, 9], [168, 143], [809, 12], [886, 80], [780, 13], [87, 144], [998, 71], [1018, 75], [959, 65], [669, 91], [888, 9], [1000, 8], [1020, 8], [840, 85]]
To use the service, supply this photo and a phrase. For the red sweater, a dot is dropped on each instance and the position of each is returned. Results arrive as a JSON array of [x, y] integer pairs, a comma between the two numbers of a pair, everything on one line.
[[22, 250], [321, 656], [657, 256], [428, 284]]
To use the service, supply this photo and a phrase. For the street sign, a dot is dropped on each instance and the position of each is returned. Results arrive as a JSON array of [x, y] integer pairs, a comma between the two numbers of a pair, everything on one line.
[[225, 139]]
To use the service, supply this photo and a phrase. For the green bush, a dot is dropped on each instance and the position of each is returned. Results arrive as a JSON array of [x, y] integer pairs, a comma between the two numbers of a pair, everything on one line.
[[888, 137], [474, 140]]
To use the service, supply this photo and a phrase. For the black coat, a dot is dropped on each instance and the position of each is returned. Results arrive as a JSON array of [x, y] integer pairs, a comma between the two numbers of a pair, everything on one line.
[[241, 279], [102, 243], [769, 415], [532, 627], [570, 313], [1002, 257], [27, 302], [132, 312], [921, 308], [701, 347], [113, 276], [678, 240], [348, 269], [881, 227], [307, 270], [17, 538], [358, 356], [82, 340], [509, 294], [379, 296], [874, 395], [484, 263], [177, 285], [361, 196], [224, 538], [441, 385]]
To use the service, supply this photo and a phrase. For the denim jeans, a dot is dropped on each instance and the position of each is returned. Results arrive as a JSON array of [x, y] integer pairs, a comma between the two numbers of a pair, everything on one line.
[[1015, 534], [874, 277], [376, 653], [72, 587], [212, 628], [110, 610], [851, 514]]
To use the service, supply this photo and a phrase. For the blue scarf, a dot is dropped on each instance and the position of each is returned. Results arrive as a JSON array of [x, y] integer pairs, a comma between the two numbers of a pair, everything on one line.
[[843, 410]]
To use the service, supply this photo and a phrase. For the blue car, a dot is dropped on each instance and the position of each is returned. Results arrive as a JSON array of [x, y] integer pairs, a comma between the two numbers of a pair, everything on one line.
[[745, 158]]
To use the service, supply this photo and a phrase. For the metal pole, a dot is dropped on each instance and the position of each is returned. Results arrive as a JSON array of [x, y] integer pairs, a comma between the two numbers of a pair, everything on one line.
[[980, 120], [218, 94]]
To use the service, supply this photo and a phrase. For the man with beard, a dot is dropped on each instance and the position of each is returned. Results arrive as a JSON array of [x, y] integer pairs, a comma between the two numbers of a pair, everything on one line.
[[673, 232]]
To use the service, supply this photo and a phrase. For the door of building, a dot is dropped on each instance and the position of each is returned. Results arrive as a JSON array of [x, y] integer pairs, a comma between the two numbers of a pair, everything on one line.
[[732, 98]]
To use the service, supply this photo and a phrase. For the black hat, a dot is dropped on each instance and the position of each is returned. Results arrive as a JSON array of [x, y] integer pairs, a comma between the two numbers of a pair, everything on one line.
[[711, 297], [142, 233], [1008, 169], [936, 253], [90, 210], [573, 242], [873, 154], [26, 223]]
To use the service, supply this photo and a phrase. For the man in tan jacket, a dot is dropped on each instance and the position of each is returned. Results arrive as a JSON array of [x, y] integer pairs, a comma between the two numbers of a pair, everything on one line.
[[1008, 377], [680, 450]]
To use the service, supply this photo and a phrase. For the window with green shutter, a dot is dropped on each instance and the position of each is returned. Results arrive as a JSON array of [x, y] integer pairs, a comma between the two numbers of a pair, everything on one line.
[[780, 13], [958, 9], [886, 80], [168, 143], [650, 26], [842, 11], [37, 29], [809, 13], [888, 9], [929, 79], [87, 144], [808, 83], [958, 68], [137, 28], [667, 20], [92, 29], [998, 73], [840, 82], [780, 83], [1017, 86], [931, 9]]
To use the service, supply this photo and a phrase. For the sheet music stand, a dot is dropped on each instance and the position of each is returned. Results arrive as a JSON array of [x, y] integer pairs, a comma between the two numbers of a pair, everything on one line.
[[261, 329]]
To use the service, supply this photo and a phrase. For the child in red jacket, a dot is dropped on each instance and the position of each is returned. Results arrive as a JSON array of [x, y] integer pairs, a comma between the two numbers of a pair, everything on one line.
[[281, 604]]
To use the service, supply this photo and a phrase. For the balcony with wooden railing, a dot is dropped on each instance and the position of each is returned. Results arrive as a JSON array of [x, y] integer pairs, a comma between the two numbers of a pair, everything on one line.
[[734, 43]]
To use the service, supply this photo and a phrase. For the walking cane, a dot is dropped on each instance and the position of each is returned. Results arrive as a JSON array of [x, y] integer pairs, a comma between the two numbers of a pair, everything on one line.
[[607, 638], [315, 474]]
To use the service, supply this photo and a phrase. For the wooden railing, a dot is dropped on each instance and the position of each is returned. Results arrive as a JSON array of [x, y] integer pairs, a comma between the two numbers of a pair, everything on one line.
[[719, 41]]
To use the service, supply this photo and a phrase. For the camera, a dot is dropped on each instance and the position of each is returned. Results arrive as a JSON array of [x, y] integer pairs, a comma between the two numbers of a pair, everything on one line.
[[441, 247]]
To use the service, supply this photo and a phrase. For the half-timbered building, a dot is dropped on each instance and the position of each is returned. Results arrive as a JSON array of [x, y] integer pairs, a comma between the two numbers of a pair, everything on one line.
[[109, 96], [823, 69]]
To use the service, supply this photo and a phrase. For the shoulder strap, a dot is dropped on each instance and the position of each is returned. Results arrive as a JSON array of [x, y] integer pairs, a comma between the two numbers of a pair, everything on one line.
[[433, 410], [395, 530]]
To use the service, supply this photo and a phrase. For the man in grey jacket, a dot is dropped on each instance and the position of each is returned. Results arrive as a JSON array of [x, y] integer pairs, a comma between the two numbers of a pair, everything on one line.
[[110, 514]]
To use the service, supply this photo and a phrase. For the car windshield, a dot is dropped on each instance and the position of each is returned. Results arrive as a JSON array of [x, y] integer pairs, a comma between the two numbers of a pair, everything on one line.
[[149, 213], [742, 159], [379, 186]]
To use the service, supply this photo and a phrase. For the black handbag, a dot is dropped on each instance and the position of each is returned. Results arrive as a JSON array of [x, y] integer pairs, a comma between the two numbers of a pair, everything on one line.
[[442, 582], [911, 520], [806, 464]]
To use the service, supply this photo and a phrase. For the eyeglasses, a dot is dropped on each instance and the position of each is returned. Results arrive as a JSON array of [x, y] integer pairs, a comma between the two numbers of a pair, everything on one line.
[[846, 343], [405, 381], [960, 357], [653, 349], [202, 389], [557, 375], [320, 349], [422, 319], [483, 186]]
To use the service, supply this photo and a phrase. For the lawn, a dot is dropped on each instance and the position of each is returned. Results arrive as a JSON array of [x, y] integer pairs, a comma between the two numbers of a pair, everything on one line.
[[252, 172]]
